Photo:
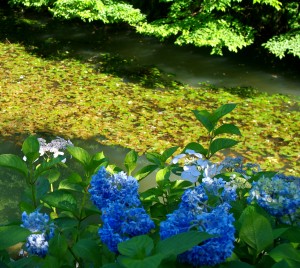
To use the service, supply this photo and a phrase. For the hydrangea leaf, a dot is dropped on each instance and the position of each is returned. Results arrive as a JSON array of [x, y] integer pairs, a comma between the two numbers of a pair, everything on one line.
[[221, 143], [130, 161], [14, 162], [58, 245], [180, 243], [80, 155], [285, 252], [87, 249], [61, 199], [227, 129], [11, 235], [136, 247], [30, 148], [145, 171], [256, 230]]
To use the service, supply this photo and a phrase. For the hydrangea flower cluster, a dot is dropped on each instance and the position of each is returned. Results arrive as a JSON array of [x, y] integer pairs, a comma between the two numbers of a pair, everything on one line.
[[42, 231], [195, 166], [194, 213], [54, 147], [279, 195], [123, 216]]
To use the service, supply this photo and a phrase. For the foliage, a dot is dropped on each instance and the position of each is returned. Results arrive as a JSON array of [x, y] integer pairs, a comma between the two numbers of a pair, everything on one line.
[[230, 24], [211, 215]]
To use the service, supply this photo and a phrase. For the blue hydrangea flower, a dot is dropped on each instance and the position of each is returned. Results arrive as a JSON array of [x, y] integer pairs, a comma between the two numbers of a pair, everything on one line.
[[119, 187], [121, 223], [278, 195], [37, 244], [43, 230], [216, 221], [36, 222], [123, 216], [226, 191]]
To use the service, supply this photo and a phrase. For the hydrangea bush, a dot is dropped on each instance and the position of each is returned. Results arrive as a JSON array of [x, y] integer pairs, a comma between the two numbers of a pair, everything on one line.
[[199, 212]]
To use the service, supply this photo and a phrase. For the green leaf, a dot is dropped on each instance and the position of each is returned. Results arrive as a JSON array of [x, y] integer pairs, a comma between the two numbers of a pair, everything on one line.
[[52, 175], [11, 235], [222, 111], [42, 187], [228, 129], [137, 247], [58, 246], [14, 162], [155, 158], [285, 252], [180, 243], [130, 161], [31, 148], [47, 165], [87, 249], [162, 176], [145, 171], [221, 143], [292, 234], [149, 262], [256, 230], [278, 232], [205, 119], [237, 264], [61, 199], [198, 148], [80, 155], [70, 185], [169, 152]]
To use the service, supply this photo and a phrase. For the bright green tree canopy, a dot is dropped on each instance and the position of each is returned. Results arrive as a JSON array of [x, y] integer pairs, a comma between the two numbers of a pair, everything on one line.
[[230, 24]]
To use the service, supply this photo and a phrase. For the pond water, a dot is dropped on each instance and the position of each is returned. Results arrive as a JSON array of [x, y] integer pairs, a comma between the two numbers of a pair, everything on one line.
[[189, 65], [195, 65]]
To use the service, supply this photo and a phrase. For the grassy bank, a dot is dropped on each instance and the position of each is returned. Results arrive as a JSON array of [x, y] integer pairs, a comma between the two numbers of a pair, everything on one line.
[[72, 97]]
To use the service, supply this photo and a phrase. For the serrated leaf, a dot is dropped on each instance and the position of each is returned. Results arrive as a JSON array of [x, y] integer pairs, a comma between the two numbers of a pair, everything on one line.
[[227, 129], [87, 249], [198, 148], [180, 243], [47, 165], [162, 176], [205, 118], [52, 175], [145, 171], [255, 230], [222, 111], [154, 158], [149, 262], [58, 245], [80, 155], [221, 143], [61, 199], [14, 162], [11, 235], [30, 148], [168, 153], [285, 252], [130, 161], [136, 247], [70, 185]]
